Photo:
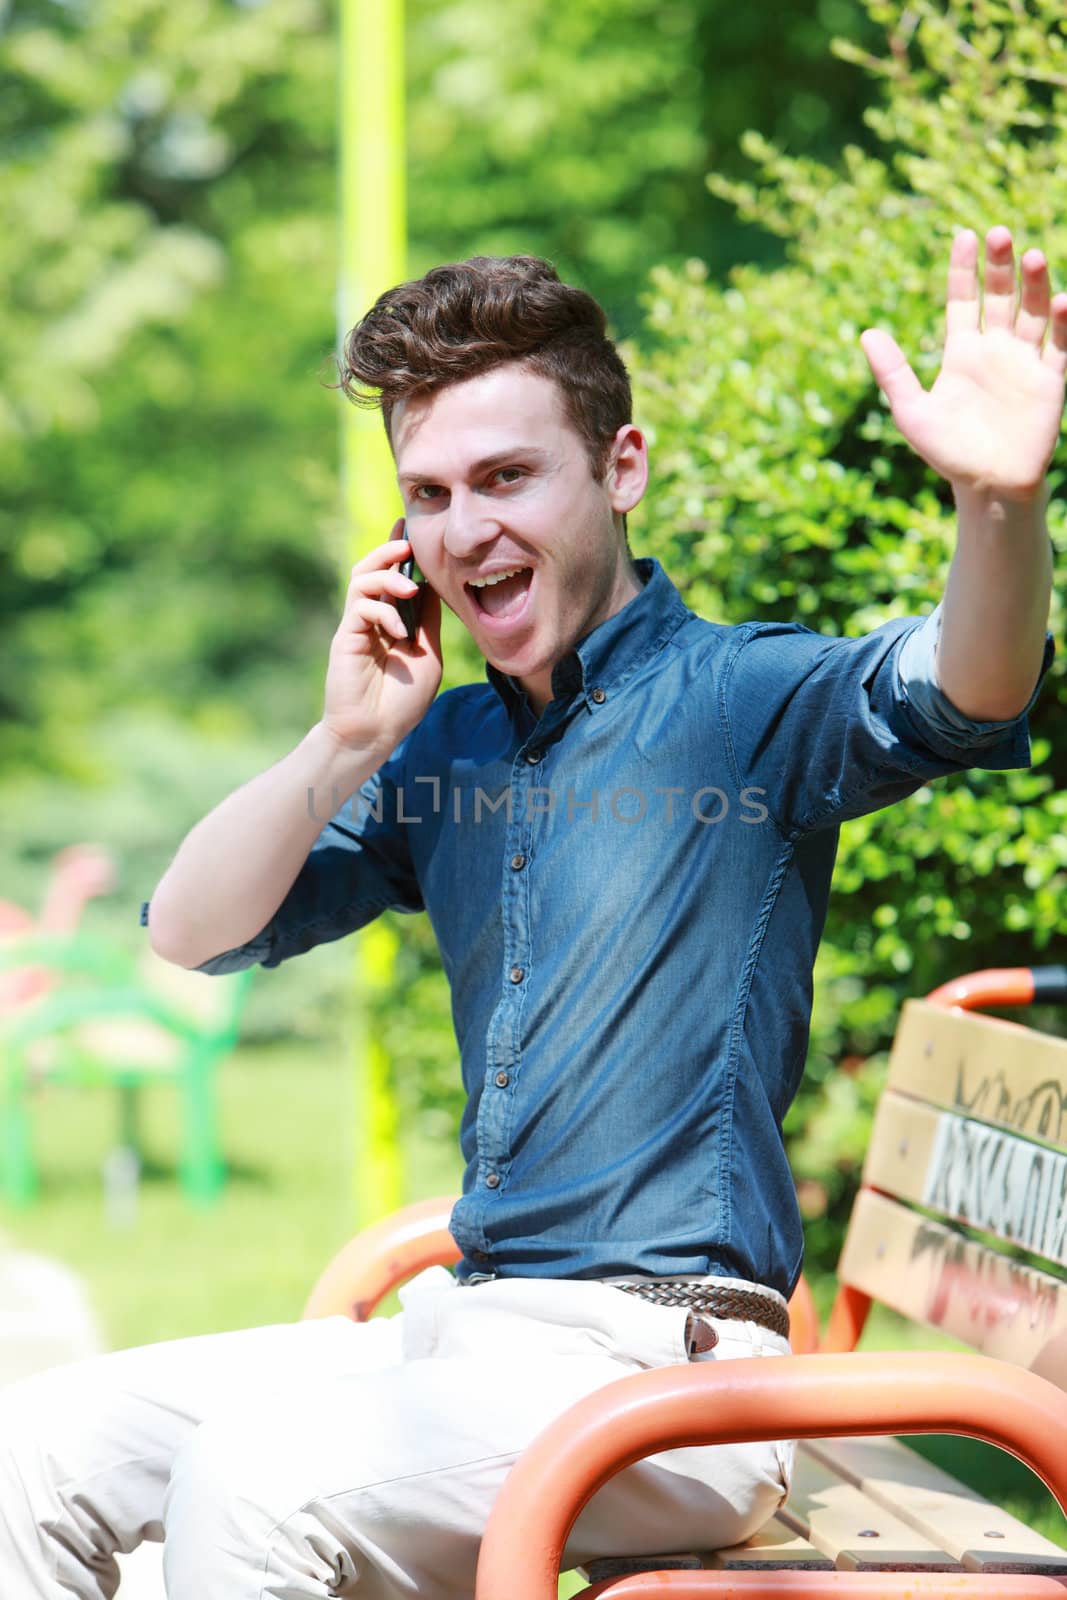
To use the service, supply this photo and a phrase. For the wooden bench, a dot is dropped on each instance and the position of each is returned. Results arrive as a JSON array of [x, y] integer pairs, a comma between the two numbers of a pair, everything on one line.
[[965, 1184]]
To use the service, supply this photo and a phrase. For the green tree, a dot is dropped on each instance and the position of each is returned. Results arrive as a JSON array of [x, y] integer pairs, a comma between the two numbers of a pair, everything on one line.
[[166, 439], [582, 132], [164, 443]]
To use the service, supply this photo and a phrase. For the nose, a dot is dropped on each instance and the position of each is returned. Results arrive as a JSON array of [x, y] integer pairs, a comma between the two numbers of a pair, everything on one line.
[[469, 524]]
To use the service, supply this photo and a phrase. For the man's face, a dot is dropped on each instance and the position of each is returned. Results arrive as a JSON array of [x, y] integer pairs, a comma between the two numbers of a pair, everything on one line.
[[495, 481]]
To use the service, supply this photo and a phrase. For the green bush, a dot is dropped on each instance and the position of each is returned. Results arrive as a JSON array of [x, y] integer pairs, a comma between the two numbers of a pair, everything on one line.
[[782, 490]]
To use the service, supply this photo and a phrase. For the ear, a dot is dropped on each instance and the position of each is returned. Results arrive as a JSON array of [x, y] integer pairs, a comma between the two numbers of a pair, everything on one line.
[[627, 476]]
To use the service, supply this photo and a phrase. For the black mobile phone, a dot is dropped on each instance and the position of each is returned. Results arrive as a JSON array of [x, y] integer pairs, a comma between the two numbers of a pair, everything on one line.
[[408, 606]]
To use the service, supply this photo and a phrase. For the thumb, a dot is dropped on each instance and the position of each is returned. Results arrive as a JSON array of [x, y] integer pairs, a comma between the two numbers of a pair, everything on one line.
[[889, 365]]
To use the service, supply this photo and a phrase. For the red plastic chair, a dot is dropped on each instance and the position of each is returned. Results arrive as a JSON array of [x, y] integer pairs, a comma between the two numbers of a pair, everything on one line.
[[77, 874]]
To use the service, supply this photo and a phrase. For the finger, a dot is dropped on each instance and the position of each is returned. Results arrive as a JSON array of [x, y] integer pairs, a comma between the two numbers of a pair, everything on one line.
[[890, 368], [1032, 320], [961, 306], [1055, 352], [387, 580], [999, 308], [385, 555], [365, 614]]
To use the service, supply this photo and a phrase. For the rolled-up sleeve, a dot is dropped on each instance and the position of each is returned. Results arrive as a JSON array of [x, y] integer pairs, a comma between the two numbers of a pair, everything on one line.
[[359, 866], [835, 728], [932, 707]]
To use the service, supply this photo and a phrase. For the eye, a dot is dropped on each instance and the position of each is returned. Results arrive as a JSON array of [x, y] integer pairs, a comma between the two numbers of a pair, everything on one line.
[[504, 476]]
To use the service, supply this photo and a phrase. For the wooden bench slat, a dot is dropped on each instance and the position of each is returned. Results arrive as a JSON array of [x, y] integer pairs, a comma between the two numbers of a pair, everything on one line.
[[857, 1534], [944, 1510], [775, 1545], [976, 1174], [984, 1067], [604, 1567], [934, 1276]]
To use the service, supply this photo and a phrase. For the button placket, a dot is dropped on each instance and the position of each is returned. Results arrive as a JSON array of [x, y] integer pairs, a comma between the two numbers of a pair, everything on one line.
[[503, 1055]]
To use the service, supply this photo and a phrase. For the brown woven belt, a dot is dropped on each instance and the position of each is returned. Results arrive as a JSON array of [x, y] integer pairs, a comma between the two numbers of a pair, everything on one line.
[[711, 1300]]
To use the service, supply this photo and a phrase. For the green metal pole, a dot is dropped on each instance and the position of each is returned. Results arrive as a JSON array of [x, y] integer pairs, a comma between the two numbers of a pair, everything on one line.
[[373, 258]]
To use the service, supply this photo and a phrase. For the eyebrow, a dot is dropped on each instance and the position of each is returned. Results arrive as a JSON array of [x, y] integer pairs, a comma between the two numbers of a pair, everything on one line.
[[518, 452]]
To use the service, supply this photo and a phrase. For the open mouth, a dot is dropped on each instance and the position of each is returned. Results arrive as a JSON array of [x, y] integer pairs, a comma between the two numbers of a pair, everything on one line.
[[501, 596]]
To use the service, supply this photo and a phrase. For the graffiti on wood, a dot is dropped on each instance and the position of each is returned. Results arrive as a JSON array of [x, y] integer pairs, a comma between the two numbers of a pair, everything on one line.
[[968, 1283], [1040, 1112], [1000, 1184]]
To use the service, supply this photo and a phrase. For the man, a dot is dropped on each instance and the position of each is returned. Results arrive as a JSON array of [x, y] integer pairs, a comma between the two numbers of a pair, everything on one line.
[[624, 840]]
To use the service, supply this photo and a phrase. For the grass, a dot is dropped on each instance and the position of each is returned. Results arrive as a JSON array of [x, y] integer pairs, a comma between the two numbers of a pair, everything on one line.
[[287, 1116]]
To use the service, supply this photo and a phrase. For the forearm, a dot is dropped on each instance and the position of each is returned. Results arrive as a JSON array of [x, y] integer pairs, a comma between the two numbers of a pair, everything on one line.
[[234, 869], [995, 609]]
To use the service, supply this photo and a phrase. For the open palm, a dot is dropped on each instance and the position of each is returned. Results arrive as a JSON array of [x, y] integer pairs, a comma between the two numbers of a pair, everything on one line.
[[992, 418]]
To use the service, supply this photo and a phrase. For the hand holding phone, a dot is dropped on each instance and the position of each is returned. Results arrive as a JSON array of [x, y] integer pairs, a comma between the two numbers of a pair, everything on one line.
[[376, 692]]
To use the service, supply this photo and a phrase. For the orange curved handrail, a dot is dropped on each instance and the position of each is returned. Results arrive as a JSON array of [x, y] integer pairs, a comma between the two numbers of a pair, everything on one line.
[[363, 1272], [992, 986], [796, 1584], [417, 1236], [768, 1397], [1003, 986], [383, 1255], [803, 1319]]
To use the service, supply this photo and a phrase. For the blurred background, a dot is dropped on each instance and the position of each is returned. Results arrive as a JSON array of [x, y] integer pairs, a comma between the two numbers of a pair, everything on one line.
[[745, 188]]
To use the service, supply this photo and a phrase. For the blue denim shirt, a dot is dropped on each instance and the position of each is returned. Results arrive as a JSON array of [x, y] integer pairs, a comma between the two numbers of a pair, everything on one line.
[[628, 893]]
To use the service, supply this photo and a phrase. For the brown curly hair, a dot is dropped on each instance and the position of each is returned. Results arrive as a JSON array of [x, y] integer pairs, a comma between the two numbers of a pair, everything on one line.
[[467, 317]]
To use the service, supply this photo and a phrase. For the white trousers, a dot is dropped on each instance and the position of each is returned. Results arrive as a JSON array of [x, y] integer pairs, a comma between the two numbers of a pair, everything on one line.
[[330, 1458]]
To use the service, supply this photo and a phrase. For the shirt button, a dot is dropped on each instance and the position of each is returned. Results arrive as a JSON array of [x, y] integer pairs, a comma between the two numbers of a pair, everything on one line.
[[516, 974], [493, 1180], [518, 862], [480, 1255], [502, 1080], [533, 757], [599, 696]]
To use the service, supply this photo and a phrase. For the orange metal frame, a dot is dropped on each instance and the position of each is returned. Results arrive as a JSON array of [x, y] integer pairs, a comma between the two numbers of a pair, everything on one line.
[[769, 1397], [799, 1585], [994, 986], [417, 1236], [382, 1256]]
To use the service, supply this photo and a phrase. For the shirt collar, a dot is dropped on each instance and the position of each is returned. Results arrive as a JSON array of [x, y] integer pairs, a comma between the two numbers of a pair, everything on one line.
[[605, 658]]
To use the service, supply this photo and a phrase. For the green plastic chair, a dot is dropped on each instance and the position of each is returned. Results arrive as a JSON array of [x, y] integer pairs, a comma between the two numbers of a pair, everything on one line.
[[114, 1022]]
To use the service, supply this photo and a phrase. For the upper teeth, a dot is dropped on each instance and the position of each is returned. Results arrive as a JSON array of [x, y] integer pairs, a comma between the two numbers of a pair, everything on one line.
[[496, 577]]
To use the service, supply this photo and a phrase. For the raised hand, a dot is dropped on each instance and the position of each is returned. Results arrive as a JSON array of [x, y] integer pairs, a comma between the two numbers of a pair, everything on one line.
[[378, 685], [992, 418]]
